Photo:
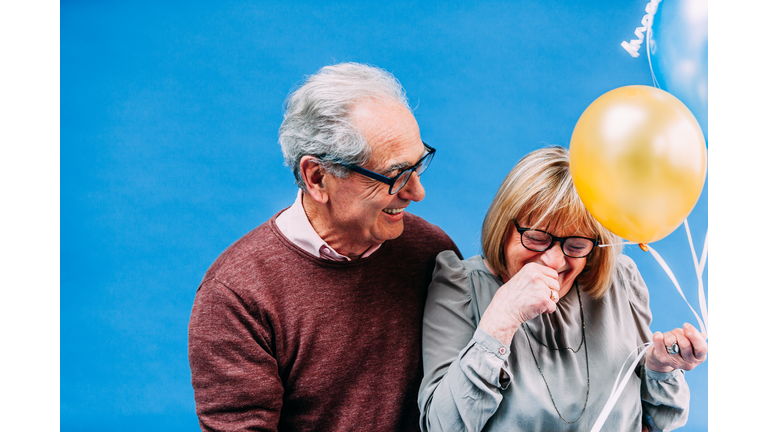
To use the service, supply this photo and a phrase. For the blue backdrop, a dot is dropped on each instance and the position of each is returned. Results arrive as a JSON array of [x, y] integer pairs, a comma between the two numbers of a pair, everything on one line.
[[169, 118]]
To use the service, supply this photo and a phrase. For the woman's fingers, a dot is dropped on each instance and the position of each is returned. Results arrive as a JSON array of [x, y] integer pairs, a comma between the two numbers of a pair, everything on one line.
[[526, 295], [549, 275], [683, 348], [553, 295], [658, 358], [677, 342], [531, 290], [698, 342], [693, 347]]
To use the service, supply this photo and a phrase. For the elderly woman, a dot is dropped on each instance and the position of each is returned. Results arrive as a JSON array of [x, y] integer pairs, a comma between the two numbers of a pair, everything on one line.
[[531, 335]]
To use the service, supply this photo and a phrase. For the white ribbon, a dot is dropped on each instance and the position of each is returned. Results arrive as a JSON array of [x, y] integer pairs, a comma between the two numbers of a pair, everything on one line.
[[633, 46], [618, 388], [699, 264], [616, 244]]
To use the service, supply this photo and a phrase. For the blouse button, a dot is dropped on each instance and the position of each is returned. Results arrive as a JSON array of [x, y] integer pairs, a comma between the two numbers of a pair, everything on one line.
[[502, 350]]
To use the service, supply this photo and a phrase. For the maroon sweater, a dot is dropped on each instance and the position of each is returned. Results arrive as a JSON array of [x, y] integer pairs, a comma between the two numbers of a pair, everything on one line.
[[282, 340]]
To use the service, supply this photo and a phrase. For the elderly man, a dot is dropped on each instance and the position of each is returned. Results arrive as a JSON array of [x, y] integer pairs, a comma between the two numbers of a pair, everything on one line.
[[312, 321]]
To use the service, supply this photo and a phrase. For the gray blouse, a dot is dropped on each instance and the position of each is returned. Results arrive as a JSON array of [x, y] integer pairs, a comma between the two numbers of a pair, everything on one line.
[[473, 382]]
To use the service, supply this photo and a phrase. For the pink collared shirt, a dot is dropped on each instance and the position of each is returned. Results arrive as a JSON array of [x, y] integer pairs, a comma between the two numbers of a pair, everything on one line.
[[294, 224]]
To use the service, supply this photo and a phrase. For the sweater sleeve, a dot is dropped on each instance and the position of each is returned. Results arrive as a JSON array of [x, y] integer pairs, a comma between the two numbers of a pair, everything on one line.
[[234, 371], [665, 396], [465, 369]]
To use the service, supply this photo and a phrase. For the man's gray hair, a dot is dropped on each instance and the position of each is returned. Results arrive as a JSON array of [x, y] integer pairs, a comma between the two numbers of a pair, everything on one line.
[[317, 116]]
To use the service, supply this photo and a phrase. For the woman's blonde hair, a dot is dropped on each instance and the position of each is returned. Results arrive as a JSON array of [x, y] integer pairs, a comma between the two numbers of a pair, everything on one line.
[[539, 189]]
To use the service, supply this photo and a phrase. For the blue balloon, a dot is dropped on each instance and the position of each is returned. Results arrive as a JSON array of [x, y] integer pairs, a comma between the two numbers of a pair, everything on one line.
[[678, 45]]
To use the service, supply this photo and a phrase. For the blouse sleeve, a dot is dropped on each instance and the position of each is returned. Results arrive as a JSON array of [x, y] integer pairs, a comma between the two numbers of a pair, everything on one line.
[[465, 369], [665, 396]]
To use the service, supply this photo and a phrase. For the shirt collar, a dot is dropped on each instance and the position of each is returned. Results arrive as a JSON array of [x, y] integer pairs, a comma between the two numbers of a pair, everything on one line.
[[295, 225]]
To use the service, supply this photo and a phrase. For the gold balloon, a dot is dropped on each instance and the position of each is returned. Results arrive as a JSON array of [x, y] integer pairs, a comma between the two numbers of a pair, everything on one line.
[[638, 161]]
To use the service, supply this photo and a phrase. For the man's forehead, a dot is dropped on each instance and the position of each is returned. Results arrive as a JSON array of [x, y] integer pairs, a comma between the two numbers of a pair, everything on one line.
[[391, 131], [392, 156], [371, 111]]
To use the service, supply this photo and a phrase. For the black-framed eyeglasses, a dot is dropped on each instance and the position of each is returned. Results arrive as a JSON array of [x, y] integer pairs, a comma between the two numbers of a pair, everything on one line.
[[399, 181], [540, 241]]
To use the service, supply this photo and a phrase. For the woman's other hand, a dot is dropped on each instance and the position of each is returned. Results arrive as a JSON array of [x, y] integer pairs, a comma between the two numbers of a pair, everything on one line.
[[692, 350], [526, 295]]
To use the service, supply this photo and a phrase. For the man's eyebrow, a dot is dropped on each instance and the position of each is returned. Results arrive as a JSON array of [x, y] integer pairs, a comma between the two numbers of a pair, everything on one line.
[[399, 166]]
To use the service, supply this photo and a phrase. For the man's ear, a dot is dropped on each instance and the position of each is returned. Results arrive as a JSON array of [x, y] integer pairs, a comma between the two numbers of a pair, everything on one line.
[[315, 178]]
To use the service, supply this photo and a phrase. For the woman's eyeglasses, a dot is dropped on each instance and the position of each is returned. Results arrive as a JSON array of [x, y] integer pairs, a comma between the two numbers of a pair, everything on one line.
[[540, 241]]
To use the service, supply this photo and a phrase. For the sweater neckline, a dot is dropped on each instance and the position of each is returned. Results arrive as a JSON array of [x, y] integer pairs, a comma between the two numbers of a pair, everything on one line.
[[317, 260]]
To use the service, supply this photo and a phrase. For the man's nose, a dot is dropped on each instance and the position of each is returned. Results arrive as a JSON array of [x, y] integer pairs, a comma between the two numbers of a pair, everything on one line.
[[413, 190]]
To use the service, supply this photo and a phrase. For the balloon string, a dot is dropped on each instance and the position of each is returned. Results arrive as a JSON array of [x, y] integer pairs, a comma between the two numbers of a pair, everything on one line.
[[648, 51], [617, 244], [633, 47], [671, 275], [699, 265], [618, 388]]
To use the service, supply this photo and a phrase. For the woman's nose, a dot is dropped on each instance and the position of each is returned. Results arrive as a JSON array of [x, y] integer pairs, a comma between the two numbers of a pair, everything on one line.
[[554, 257]]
